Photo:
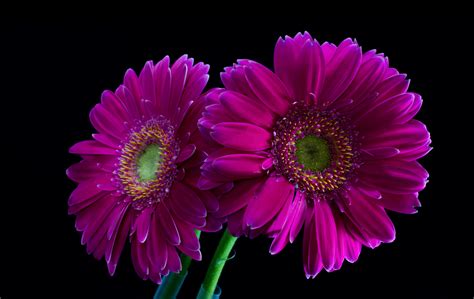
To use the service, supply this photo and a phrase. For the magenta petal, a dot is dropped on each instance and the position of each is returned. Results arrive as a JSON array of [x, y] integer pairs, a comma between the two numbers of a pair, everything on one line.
[[107, 123], [130, 80], [298, 220], [186, 153], [142, 224], [379, 152], [197, 80], [83, 171], [209, 199], [276, 225], [328, 50], [267, 87], [92, 219], [299, 63], [83, 191], [187, 205], [369, 75], [312, 260], [238, 197], [189, 239], [167, 223], [394, 110], [395, 176], [174, 262], [107, 140], [156, 245], [401, 203], [241, 136], [91, 147], [234, 223], [247, 109], [114, 105], [407, 138], [147, 82], [265, 205], [370, 217], [392, 86], [116, 244], [340, 71], [234, 79], [292, 225], [326, 233], [162, 73], [139, 258], [412, 109], [239, 166]]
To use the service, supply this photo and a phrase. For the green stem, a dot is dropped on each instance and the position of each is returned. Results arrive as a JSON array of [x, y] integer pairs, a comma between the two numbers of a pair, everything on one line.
[[171, 284], [217, 264]]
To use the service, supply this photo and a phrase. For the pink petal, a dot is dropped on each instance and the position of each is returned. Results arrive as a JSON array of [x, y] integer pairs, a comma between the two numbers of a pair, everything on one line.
[[156, 245], [241, 136], [186, 153], [266, 204], [107, 123], [162, 74], [267, 87], [370, 217], [239, 166], [299, 63], [142, 224], [312, 260], [292, 225], [91, 147], [83, 191], [326, 233], [411, 139], [116, 243], [188, 236], [238, 197], [340, 71], [391, 111], [246, 109], [401, 203], [167, 223], [394, 176], [187, 205]]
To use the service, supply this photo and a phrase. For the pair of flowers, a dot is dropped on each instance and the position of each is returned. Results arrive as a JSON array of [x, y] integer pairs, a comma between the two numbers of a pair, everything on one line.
[[324, 144]]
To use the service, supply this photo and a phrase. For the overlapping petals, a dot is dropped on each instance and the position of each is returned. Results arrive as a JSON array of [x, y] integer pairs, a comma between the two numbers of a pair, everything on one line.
[[239, 125], [105, 214]]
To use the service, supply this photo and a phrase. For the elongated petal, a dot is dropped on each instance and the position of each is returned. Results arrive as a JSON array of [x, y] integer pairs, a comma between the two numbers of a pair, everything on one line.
[[264, 206], [241, 136]]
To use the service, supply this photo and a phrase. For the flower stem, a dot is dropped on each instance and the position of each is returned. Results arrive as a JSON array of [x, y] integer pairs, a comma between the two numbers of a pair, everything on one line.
[[214, 271], [171, 284]]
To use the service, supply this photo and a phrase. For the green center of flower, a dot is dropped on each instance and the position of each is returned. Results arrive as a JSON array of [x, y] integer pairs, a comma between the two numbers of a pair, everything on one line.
[[148, 162], [313, 152]]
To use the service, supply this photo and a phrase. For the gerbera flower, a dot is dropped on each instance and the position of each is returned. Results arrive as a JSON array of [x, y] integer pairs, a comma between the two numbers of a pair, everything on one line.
[[135, 179], [325, 143]]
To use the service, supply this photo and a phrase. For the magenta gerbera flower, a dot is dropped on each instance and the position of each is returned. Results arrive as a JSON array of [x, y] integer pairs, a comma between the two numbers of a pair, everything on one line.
[[325, 143], [136, 177]]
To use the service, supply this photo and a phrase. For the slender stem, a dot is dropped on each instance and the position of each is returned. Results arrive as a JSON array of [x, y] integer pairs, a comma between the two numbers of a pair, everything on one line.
[[171, 284], [217, 264]]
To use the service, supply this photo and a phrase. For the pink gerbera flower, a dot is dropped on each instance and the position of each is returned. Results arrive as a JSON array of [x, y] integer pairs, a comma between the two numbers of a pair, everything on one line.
[[135, 179], [325, 143]]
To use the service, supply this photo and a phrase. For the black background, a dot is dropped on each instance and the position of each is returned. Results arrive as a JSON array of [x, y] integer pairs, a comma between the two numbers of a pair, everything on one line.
[[53, 72]]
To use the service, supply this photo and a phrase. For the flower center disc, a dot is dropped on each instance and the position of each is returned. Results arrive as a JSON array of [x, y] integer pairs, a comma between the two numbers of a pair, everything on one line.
[[148, 163], [314, 150], [313, 153], [146, 168]]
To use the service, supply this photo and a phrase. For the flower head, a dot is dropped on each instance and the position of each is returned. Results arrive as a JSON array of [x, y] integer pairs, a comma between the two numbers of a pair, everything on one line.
[[326, 144], [138, 175]]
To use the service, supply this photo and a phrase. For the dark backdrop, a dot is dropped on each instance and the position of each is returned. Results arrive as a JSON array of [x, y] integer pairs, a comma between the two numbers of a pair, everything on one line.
[[53, 72]]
